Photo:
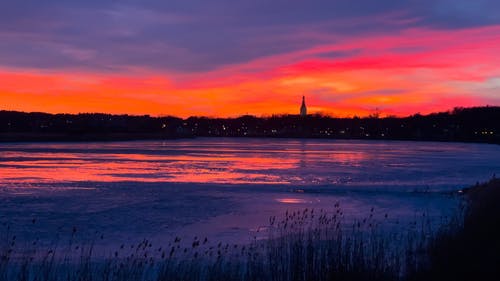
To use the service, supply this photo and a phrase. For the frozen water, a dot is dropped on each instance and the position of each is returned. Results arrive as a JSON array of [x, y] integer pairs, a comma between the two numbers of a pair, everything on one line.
[[225, 189]]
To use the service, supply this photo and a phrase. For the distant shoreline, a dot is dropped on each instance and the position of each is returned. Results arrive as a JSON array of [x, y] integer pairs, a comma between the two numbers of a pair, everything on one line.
[[65, 138], [471, 125]]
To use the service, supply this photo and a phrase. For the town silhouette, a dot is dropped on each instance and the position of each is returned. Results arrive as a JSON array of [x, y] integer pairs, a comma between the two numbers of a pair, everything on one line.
[[475, 124]]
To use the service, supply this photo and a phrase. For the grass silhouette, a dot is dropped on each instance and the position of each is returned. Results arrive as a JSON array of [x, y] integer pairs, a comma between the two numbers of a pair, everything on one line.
[[468, 249], [302, 245]]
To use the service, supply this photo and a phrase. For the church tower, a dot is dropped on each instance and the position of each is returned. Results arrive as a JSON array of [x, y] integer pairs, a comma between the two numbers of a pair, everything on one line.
[[303, 108]]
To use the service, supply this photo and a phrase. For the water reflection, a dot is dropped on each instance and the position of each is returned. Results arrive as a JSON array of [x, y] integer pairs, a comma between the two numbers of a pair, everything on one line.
[[292, 201], [108, 166], [223, 188], [249, 161]]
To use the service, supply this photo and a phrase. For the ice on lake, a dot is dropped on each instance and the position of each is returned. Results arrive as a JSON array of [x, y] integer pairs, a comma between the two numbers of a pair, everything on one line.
[[225, 189]]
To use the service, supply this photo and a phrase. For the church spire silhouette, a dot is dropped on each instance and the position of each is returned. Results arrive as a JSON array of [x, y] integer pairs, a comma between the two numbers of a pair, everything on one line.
[[303, 108]]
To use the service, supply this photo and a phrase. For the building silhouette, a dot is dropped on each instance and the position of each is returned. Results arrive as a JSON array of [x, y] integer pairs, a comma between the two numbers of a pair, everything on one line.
[[475, 124], [303, 108]]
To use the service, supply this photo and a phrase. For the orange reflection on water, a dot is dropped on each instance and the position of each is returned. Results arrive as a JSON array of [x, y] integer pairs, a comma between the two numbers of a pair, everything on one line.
[[292, 201], [350, 158], [197, 161], [114, 167]]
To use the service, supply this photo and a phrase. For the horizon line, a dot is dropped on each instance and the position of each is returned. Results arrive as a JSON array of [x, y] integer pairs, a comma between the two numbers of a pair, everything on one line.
[[375, 114]]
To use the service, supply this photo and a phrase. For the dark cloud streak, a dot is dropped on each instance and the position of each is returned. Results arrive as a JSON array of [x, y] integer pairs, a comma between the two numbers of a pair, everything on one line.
[[193, 36]]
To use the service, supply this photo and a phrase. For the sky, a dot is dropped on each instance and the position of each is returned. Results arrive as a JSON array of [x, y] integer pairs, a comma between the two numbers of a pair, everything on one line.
[[224, 58]]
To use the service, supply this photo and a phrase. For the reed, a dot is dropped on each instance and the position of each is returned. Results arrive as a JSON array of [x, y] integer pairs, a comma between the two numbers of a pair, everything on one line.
[[301, 245], [468, 248]]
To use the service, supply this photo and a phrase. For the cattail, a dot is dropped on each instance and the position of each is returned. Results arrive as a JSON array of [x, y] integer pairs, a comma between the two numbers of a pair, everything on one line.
[[172, 251]]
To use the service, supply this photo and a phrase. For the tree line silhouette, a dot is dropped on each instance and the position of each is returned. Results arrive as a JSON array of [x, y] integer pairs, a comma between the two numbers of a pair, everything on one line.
[[475, 124]]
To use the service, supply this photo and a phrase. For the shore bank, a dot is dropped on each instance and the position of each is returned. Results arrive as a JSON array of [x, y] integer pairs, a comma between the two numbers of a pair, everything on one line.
[[469, 249]]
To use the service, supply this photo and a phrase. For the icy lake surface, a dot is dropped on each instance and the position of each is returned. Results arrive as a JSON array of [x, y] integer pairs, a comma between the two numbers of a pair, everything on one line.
[[224, 189]]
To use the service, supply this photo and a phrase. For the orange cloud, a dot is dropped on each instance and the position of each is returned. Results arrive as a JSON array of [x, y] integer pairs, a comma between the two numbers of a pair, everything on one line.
[[416, 71]]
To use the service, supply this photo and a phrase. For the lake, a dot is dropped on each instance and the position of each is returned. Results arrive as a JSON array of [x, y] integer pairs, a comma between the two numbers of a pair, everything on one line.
[[225, 189]]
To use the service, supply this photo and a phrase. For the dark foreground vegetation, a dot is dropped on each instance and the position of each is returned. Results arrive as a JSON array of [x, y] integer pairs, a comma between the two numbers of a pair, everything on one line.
[[303, 245], [477, 124], [470, 251]]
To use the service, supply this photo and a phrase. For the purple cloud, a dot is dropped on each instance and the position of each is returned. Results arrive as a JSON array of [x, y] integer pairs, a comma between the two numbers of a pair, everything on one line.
[[193, 36]]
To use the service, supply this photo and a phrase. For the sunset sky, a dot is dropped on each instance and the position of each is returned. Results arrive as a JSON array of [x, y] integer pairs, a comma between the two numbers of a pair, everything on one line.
[[227, 57]]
